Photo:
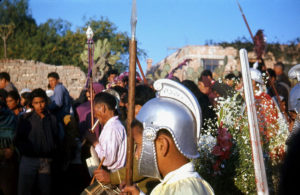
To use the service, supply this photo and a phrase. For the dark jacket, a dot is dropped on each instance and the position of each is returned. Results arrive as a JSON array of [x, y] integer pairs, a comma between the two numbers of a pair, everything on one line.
[[36, 136]]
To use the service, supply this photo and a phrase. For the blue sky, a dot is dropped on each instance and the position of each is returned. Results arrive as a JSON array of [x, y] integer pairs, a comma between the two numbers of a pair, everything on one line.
[[164, 24]]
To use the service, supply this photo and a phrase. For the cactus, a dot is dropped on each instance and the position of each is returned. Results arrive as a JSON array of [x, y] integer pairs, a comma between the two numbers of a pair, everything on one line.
[[103, 59]]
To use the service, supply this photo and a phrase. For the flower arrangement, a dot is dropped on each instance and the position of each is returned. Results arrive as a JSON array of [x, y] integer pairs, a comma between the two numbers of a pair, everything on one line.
[[226, 155]]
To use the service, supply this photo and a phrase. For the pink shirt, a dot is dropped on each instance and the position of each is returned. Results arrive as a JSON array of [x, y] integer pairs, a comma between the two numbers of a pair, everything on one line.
[[112, 144]]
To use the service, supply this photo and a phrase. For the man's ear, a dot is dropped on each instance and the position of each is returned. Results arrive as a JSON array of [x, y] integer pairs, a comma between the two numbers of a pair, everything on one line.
[[162, 145], [104, 108]]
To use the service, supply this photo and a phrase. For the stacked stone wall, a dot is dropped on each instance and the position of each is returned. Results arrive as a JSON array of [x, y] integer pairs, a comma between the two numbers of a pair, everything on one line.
[[31, 74]]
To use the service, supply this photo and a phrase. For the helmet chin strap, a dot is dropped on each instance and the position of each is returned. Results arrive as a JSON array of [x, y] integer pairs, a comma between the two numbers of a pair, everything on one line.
[[148, 163]]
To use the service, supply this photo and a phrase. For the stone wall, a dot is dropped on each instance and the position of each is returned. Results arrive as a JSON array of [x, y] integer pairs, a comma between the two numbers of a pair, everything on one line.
[[30, 74]]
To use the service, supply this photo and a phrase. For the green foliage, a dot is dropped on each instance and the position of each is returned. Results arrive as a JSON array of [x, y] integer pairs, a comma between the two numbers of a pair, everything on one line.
[[54, 42], [239, 44]]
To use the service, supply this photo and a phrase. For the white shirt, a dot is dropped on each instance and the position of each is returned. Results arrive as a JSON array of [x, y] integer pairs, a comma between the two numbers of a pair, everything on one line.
[[112, 144]]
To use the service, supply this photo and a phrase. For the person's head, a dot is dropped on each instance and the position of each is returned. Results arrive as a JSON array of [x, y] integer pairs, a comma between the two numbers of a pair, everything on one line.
[[167, 127], [38, 100], [143, 94], [222, 90], [279, 68], [204, 84], [111, 75], [105, 106], [13, 100], [4, 79], [208, 74], [53, 79], [164, 144], [25, 99], [229, 79], [97, 88], [272, 75]]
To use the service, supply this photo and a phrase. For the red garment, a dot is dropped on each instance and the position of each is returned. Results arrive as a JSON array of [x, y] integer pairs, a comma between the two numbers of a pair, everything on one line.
[[267, 115]]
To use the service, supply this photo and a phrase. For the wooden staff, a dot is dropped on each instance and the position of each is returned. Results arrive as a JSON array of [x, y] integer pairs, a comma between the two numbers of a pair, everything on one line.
[[131, 95], [100, 165], [130, 117], [90, 42], [141, 70], [92, 103]]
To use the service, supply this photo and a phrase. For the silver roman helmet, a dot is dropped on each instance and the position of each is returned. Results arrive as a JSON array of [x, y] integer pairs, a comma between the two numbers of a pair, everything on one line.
[[294, 99], [294, 72], [176, 110]]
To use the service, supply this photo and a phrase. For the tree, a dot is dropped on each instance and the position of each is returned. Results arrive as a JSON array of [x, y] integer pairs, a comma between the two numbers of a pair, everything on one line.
[[54, 42], [5, 32]]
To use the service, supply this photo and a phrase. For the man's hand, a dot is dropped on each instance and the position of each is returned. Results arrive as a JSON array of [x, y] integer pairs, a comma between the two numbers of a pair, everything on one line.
[[133, 190], [8, 153], [102, 176]]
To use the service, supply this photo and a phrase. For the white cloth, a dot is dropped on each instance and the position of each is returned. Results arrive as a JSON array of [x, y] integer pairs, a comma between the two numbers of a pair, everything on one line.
[[183, 172], [183, 181], [112, 144]]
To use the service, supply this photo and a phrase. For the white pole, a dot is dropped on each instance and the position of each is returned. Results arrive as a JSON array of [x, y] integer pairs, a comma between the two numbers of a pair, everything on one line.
[[258, 161]]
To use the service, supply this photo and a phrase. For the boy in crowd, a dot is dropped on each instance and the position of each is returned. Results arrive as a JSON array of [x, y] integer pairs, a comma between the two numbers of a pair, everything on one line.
[[5, 82], [37, 141]]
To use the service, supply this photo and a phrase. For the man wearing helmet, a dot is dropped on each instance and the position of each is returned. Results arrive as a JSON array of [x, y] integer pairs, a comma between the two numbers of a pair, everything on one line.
[[166, 132]]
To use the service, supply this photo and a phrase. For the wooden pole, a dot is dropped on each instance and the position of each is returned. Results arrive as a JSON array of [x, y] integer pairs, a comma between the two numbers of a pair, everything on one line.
[[91, 85], [100, 165], [130, 117], [141, 70]]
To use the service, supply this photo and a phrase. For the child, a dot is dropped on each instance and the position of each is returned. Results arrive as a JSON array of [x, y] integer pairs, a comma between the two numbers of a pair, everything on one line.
[[165, 136], [37, 141]]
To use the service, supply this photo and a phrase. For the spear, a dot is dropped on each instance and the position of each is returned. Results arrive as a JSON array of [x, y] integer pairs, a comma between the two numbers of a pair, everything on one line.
[[259, 55], [131, 95], [245, 20], [90, 42]]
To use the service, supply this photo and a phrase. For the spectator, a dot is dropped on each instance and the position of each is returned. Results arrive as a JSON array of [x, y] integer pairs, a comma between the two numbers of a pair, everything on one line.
[[60, 104], [25, 101], [206, 107], [37, 141], [8, 157], [61, 101], [281, 88], [281, 77], [230, 79], [143, 94], [13, 102], [5, 82]]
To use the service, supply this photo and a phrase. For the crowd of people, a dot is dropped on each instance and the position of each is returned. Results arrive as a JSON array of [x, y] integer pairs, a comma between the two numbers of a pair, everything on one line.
[[46, 135]]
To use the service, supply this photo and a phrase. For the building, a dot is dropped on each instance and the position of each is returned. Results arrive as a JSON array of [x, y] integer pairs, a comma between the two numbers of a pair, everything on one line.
[[218, 59]]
